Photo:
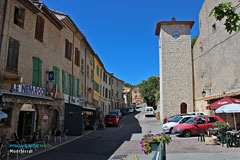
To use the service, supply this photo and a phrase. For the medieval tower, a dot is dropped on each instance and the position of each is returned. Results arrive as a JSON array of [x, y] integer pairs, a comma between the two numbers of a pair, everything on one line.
[[176, 87]]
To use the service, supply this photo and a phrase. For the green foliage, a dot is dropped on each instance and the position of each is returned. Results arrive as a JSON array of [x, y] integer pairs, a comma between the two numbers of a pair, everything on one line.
[[221, 125], [148, 90], [194, 40], [226, 10], [128, 85]]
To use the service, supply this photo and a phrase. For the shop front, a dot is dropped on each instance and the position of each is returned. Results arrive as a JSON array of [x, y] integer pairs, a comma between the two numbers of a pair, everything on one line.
[[26, 107]]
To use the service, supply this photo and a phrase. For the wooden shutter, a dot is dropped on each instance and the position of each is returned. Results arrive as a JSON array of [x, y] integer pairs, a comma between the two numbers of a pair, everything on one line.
[[70, 51], [39, 72], [13, 52], [63, 81], [56, 77], [73, 86], [66, 48], [78, 89], [35, 72], [39, 28]]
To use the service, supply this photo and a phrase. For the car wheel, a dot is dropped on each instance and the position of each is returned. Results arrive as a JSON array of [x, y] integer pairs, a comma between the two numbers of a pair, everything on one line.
[[171, 131], [187, 133]]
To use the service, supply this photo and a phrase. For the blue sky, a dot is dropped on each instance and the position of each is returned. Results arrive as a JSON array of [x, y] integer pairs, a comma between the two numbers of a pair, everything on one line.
[[121, 32]]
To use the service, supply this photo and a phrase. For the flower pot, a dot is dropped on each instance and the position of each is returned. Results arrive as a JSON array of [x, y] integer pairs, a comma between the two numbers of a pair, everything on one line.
[[211, 140], [154, 146]]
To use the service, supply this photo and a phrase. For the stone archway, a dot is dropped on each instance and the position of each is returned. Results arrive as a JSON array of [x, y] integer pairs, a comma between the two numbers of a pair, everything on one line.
[[183, 108]]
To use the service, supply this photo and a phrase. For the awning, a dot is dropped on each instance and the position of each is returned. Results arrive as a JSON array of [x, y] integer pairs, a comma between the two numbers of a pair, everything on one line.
[[3, 115], [224, 101], [89, 109]]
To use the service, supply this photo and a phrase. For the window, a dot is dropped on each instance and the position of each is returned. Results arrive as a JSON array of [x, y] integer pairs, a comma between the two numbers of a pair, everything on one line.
[[6, 121], [184, 120], [19, 14], [212, 119], [87, 94], [109, 94], [13, 52], [78, 88], [77, 57], [97, 70], [214, 28], [201, 121], [68, 50], [88, 71], [82, 66], [92, 74], [106, 78], [56, 77], [117, 94], [103, 91], [73, 86], [37, 72], [64, 81], [101, 74], [96, 86], [109, 80], [106, 93], [39, 28]]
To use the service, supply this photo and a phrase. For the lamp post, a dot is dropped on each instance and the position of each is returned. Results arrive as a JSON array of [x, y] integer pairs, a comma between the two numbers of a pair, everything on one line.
[[204, 92]]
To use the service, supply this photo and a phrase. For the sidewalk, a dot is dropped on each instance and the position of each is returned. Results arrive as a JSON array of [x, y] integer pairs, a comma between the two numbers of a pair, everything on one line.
[[179, 149]]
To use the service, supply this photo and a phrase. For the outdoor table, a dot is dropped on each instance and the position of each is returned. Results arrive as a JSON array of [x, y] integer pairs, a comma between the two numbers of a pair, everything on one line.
[[233, 136]]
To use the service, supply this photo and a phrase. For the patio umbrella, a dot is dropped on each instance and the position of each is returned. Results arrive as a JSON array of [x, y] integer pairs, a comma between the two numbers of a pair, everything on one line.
[[230, 108], [223, 101], [3, 115]]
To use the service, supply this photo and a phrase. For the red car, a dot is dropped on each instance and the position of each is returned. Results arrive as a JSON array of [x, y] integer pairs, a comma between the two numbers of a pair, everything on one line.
[[196, 125], [111, 119]]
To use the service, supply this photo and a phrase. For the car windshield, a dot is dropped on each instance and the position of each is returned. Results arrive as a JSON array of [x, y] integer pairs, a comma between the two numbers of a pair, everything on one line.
[[173, 118], [190, 121], [177, 119]]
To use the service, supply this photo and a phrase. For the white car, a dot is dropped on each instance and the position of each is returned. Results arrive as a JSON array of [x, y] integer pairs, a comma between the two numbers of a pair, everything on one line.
[[149, 111], [196, 113], [167, 127]]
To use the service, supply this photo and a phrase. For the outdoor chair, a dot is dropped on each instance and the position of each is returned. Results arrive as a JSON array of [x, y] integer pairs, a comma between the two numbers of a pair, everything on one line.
[[64, 134], [17, 139], [201, 136], [57, 135], [4, 151], [41, 139]]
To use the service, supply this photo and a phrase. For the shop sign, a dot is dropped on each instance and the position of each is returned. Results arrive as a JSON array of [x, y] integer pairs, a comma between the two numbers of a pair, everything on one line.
[[45, 117], [50, 76], [11, 79], [22, 88], [73, 100]]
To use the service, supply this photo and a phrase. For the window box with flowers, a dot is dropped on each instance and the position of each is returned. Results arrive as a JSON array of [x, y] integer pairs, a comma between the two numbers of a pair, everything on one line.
[[150, 141]]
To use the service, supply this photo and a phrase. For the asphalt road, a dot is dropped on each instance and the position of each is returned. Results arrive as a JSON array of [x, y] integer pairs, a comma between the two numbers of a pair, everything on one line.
[[98, 145]]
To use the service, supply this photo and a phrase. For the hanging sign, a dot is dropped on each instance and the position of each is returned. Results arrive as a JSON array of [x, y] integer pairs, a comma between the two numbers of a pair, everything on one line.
[[45, 117]]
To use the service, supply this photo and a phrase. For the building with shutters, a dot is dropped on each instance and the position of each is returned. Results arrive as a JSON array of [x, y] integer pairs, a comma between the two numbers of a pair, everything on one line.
[[38, 44], [117, 93]]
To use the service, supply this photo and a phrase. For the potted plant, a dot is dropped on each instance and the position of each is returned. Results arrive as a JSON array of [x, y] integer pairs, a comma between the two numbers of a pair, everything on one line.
[[150, 141]]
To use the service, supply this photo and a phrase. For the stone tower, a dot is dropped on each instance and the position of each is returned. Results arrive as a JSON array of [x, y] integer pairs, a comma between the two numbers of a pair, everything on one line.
[[176, 87]]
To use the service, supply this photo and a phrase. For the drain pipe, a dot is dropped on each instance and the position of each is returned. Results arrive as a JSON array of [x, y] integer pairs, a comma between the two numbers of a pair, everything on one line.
[[3, 23]]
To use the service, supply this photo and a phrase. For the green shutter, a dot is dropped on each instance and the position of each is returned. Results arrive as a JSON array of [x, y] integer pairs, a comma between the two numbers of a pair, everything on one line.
[[39, 72], [63, 81], [56, 77], [73, 86], [78, 88], [35, 72], [70, 84], [1, 5]]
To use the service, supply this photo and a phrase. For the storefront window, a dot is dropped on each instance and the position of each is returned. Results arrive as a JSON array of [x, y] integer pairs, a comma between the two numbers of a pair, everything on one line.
[[6, 121]]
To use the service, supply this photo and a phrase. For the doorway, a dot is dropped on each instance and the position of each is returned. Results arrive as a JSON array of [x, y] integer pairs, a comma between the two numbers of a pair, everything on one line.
[[183, 108], [26, 121], [55, 120]]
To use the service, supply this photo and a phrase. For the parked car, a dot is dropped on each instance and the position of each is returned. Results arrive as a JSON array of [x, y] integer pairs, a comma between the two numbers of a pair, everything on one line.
[[111, 119], [130, 109], [149, 111], [168, 127], [115, 113], [170, 119], [196, 125], [119, 113]]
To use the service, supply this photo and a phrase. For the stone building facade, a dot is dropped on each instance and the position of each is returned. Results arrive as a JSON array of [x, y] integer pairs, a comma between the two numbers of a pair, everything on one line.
[[38, 43], [126, 97], [216, 60], [176, 92], [117, 93], [136, 96]]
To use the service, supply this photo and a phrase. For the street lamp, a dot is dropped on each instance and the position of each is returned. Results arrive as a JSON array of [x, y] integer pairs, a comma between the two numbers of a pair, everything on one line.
[[204, 92]]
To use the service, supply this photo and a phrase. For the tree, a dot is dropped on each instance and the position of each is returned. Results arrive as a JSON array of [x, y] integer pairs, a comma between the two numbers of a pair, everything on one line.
[[226, 10], [194, 41], [148, 90], [128, 85]]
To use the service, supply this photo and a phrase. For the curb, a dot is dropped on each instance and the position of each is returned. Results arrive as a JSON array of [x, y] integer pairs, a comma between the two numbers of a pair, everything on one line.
[[32, 155]]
